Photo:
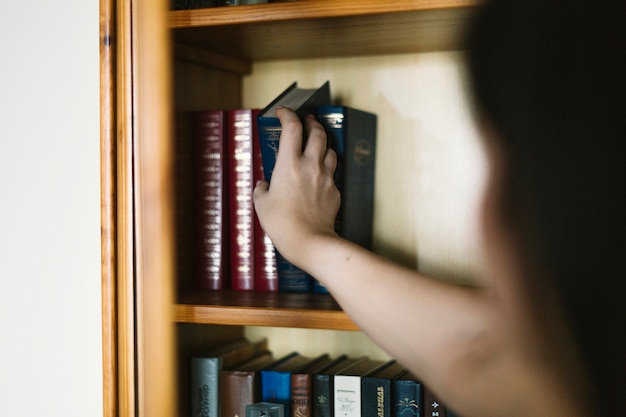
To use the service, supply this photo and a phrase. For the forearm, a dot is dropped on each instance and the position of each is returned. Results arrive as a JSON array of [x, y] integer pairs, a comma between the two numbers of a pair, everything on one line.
[[413, 317]]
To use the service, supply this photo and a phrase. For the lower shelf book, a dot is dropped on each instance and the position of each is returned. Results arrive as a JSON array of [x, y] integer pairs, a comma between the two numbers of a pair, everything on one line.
[[276, 381], [377, 389], [205, 372], [323, 387], [408, 396], [347, 389], [302, 385], [241, 385]]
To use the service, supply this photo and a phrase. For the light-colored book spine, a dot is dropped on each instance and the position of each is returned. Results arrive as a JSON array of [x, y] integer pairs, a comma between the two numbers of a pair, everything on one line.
[[347, 394]]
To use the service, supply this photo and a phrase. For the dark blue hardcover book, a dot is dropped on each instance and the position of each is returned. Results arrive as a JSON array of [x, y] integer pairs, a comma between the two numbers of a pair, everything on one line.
[[276, 381], [376, 390], [303, 102], [408, 396], [352, 135]]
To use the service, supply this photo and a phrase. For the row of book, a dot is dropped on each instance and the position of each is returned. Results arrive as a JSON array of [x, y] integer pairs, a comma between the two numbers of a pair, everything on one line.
[[238, 374], [201, 4], [222, 154]]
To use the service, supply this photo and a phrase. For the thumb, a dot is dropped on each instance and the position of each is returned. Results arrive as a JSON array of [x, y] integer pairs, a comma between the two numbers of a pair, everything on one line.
[[260, 190]]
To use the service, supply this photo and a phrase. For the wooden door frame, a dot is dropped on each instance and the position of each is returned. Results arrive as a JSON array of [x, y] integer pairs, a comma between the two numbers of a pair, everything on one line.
[[136, 213]]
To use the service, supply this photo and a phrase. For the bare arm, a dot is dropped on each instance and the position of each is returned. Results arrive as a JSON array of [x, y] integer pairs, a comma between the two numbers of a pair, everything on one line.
[[462, 342], [410, 316]]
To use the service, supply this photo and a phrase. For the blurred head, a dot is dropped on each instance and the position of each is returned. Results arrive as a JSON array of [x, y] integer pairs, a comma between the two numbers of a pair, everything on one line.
[[549, 83]]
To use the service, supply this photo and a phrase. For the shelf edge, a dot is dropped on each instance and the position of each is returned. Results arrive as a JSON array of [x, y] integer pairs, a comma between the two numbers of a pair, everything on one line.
[[271, 317]]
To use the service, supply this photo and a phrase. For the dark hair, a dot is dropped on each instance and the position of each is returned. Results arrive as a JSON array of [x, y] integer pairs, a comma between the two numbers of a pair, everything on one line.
[[550, 77]]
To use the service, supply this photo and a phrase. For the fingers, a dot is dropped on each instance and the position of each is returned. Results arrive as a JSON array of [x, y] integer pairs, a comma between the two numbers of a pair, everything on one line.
[[291, 136], [316, 139], [261, 188], [290, 145], [260, 192], [330, 159]]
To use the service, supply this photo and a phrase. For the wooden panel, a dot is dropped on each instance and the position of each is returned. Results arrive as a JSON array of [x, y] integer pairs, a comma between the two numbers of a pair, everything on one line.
[[108, 207], [124, 200], [152, 132], [323, 28], [282, 11]]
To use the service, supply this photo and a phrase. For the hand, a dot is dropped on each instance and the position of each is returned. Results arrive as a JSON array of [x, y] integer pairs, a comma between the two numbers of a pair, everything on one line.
[[302, 200]]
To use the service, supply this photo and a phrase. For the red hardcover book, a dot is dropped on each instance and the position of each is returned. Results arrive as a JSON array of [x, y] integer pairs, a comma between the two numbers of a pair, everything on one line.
[[241, 185], [265, 272], [210, 199]]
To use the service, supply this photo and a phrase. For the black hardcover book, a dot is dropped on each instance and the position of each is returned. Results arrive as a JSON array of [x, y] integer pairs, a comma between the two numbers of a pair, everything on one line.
[[352, 135], [376, 390]]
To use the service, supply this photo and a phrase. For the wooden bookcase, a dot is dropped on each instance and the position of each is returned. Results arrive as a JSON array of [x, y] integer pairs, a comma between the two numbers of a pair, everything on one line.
[[155, 61]]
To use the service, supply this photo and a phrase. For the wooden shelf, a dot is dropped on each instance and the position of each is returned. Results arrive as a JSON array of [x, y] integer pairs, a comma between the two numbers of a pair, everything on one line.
[[323, 28], [312, 311]]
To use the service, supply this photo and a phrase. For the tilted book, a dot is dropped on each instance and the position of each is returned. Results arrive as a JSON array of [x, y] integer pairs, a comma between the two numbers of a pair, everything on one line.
[[303, 102], [376, 390], [209, 152], [352, 134], [347, 389], [240, 186]]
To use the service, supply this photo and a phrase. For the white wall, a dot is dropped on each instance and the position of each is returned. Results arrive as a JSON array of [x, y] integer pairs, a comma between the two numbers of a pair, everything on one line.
[[50, 330]]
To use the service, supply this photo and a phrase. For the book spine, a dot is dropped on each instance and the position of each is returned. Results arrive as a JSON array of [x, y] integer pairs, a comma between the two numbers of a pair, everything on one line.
[[347, 394], [204, 387], [209, 140], [351, 134], [240, 180], [301, 395], [408, 398], [237, 388], [358, 177], [376, 397], [291, 279], [276, 388], [323, 404], [265, 270]]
